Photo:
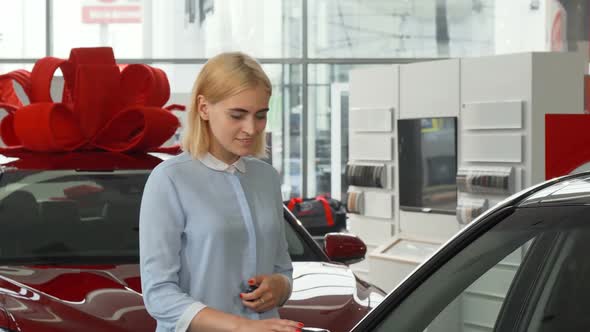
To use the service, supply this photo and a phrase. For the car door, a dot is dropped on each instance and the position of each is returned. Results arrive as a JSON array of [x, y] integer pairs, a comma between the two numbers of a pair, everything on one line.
[[551, 291], [491, 278]]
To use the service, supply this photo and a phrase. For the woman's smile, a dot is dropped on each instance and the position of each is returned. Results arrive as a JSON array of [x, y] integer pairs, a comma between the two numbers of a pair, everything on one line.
[[245, 141]]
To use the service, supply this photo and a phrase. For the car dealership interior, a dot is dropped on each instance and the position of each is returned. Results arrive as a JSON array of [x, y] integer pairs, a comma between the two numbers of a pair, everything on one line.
[[406, 134]]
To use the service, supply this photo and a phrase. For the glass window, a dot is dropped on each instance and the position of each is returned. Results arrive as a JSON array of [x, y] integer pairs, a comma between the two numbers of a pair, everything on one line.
[[8, 67], [284, 126], [299, 250], [97, 23], [182, 78], [400, 29], [179, 29], [569, 25], [191, 31], [529, 271], [262, 28], [327, 123], [22, 29]]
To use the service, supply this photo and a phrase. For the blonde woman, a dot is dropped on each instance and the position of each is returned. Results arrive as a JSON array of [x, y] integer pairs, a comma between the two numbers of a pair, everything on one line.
[[211, 221]]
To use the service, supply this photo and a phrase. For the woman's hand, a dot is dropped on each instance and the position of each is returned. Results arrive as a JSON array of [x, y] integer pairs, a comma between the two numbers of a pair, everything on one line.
[[210, 319], [270, 325], [271, 292]]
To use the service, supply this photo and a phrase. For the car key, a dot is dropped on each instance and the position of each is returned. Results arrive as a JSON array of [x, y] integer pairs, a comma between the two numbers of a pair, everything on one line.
[[250, 289]]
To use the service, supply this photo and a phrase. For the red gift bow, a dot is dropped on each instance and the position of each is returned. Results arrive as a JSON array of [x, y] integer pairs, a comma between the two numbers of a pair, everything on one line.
[[102, 107]]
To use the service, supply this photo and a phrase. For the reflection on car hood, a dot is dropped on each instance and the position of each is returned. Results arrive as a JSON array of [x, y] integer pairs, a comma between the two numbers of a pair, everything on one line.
[[329, 296], [71, 299], [108, 297]]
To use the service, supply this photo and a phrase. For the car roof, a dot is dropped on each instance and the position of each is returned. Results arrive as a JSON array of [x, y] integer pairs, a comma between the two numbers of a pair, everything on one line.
[[81, 160], [568, 190]]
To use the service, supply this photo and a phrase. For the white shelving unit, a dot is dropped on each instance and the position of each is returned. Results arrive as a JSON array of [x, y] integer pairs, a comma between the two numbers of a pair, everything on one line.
[[502, 118], [428, 89], [500, 103], [373, 115], [504, 100]]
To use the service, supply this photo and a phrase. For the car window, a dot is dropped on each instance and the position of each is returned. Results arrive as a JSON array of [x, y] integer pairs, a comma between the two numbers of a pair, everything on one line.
[[527, 273], [65, 214], [478, 306], [298, 249], [562, 303], [76, 215]]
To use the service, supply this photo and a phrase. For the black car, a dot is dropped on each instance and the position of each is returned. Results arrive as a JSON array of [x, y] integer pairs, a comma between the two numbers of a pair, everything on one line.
[[522, 266]]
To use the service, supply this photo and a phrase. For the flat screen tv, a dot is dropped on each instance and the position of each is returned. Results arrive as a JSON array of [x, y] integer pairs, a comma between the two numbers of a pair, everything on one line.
[[427, 157]]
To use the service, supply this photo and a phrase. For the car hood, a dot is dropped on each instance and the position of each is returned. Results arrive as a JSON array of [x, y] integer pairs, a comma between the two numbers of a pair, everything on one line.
[[108, 297], [97, 298], [329, 296]]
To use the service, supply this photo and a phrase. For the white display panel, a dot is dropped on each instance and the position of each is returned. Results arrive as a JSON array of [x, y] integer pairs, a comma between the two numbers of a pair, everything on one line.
[[492, 115], [494, 78], [429, 89], [429, 226], [373, 232], [374, 87], [371, 147], [371, 120], [378, 204], [492, 148]]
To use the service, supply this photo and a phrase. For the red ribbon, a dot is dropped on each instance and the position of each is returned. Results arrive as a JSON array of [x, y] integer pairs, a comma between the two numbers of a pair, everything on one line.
[[102, 107]]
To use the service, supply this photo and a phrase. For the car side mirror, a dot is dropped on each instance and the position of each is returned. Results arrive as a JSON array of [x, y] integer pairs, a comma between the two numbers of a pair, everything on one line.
[[344, 248]]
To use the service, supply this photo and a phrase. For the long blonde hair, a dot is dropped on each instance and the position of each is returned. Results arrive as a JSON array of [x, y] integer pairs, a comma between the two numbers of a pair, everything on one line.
[[223, 76]]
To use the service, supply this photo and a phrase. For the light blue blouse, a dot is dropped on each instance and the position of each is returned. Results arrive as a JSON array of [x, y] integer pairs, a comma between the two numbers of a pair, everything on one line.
[[205, 230]]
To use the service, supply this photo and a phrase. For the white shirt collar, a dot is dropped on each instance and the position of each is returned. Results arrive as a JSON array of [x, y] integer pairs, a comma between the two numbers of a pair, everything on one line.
[[215, 164]]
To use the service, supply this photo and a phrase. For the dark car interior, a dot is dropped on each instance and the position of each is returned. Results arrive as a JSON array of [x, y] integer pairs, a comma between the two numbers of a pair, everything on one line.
[[58, 221], [569, 298], [70, 216]]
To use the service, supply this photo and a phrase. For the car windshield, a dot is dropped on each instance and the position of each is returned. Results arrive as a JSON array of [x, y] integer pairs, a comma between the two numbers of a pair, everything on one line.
[[81, 217], [528, 273]]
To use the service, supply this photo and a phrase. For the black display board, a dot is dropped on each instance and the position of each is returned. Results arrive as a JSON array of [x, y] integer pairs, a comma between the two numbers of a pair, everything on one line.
[[427, 157]]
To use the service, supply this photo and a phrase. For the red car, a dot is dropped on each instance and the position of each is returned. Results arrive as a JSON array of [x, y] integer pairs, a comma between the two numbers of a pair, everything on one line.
[[69, 250]]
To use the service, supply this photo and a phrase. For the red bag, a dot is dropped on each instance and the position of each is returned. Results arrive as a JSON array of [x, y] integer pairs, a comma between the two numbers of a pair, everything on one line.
[[319, 215]]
